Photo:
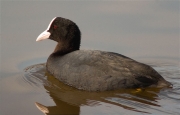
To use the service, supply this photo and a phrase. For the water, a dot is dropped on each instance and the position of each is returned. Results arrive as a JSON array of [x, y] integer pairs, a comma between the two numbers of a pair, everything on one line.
[[148, 32], [47, 92], [137, 101]]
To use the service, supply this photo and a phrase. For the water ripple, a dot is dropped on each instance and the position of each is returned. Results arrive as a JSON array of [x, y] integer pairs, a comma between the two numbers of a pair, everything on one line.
[[143, 101]]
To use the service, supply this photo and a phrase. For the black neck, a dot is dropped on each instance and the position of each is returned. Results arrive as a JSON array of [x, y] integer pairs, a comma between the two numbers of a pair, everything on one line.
[[63, 48], [68, 42]]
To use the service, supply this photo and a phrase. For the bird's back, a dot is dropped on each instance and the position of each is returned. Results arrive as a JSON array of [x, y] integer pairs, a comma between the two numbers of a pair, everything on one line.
[[94, 70]]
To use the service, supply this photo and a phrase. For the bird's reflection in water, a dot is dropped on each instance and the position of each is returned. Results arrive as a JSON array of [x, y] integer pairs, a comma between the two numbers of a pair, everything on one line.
[[61, 108], [69, 100]]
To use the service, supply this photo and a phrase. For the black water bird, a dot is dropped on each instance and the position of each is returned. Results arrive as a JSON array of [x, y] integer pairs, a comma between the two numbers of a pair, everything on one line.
[[93, 70]]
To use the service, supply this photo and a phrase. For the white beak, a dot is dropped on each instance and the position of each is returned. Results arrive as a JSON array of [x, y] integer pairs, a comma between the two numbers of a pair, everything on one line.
[[44, 35]]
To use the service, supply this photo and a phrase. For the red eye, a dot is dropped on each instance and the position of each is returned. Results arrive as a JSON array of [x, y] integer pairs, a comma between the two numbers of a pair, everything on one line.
[[55, 26]]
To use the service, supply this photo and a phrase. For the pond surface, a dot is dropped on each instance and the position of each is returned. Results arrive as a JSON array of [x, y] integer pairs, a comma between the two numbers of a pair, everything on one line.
[[145, 31], [137, 101], [35, 88]]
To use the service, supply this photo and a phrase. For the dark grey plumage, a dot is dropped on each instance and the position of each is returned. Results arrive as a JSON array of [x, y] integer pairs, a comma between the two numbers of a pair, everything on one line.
[[100, 71], [94, 70]]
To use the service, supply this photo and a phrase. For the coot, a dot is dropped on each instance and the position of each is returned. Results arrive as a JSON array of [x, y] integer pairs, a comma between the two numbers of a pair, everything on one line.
[[93, 70]]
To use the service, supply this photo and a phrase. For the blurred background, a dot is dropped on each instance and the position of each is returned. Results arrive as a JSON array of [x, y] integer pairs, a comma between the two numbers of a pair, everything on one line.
[[138, 29], [143, 30]]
